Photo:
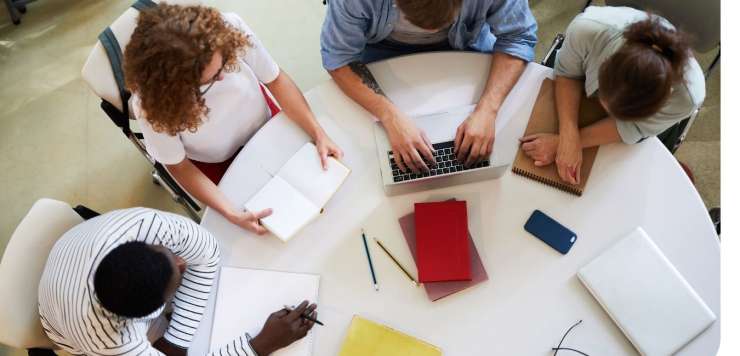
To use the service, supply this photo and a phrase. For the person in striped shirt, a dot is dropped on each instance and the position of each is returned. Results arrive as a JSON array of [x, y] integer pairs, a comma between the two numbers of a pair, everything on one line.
[[108, 279]]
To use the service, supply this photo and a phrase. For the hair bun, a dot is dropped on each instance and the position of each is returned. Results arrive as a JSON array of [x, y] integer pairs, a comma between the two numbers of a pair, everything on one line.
[[653, 34]]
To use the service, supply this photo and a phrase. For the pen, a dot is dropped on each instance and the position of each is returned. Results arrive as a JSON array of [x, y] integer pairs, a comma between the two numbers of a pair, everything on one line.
[[396, 262], [304, 316], [369, 260]]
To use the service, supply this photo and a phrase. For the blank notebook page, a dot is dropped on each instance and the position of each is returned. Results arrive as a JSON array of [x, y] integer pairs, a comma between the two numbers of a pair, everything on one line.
[[246, 297], [290, 209], [646, 296], [304, 172]]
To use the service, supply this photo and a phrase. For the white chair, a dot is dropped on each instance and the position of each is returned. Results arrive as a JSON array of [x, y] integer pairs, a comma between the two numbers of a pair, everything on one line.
[[102, 79], [20, 272]]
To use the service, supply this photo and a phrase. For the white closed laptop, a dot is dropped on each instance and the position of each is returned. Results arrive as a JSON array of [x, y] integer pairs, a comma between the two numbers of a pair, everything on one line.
[[653, 305]]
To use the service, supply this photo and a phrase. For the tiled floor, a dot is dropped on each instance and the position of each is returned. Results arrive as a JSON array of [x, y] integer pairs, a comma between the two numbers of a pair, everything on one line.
[[56, 142]]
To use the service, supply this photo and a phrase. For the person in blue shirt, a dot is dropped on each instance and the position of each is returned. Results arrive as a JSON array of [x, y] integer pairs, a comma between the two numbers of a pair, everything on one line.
[[356, 32]]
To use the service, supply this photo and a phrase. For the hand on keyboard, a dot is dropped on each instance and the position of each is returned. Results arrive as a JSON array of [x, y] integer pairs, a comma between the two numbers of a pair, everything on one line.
[[445, 163], [409, 145]]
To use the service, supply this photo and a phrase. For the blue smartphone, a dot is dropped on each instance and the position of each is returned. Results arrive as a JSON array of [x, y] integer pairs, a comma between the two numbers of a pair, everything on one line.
[[550, 232]]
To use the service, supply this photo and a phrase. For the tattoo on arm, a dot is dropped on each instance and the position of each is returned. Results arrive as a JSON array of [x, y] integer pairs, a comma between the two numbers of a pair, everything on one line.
[[367, 77]]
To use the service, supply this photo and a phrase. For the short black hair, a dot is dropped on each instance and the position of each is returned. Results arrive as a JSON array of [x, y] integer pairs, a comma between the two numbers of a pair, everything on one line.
[[132, 280]]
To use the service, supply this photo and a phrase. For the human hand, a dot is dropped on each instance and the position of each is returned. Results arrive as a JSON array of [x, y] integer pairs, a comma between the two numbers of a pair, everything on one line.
[[409, 144], [282, 328], [540, 147], [474, 138], [569, 158], [250, 221], [326, 148]]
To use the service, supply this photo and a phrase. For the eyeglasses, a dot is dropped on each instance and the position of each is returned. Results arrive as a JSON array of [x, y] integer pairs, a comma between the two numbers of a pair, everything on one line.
[[556, 349], [214, 79]]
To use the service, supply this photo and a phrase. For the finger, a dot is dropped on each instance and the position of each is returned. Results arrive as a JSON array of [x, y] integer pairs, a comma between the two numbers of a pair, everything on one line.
[[428, 153], [311, 308], [296, 313], [539, 163], [409, 161], [459, 135], [323, 154], [578, 173], [399, 162], [262, 214], [337, 153], [258, 229], [464, 148], [473, 155], [487, 149], [530, 145], [419, 162], [529, 137], [280, 313], [562, 173], [308, 324]]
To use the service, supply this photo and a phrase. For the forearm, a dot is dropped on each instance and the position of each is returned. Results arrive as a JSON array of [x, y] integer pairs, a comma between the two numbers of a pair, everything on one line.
[[567, 101], [358, 83], [504, 73], [600, 133], [201, 187], [294, 104]]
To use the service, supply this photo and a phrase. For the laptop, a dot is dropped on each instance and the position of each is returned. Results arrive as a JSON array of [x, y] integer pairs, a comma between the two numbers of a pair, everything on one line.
[[646, 296], [440, 128]]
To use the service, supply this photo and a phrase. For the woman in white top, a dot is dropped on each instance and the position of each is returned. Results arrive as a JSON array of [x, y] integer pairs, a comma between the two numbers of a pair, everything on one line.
[[640, 68], [197, 79]]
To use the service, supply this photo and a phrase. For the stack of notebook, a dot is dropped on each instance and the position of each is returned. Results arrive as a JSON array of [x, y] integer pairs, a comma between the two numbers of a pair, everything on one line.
[[444, 252]]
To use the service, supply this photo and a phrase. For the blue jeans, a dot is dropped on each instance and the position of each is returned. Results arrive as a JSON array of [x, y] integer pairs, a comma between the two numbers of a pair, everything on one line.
[[388, 49]]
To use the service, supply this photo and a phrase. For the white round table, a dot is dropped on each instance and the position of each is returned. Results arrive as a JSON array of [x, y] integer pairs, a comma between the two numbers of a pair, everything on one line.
[[533, 294]]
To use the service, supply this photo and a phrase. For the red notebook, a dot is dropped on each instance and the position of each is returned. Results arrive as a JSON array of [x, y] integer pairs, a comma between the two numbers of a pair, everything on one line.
[[438, 290], [442, 241]]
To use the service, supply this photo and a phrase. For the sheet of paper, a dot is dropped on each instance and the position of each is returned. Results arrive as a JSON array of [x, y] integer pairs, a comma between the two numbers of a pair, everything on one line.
[[304, 172], [367, 338], [246, 297], [291, 211]]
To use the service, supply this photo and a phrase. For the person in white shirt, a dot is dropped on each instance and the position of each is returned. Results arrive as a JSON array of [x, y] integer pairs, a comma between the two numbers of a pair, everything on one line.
[[198, 80], [107, 281], [641, 69]]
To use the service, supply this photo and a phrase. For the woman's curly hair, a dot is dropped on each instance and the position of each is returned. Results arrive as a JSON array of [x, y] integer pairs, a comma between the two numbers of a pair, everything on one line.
[[164, 61]]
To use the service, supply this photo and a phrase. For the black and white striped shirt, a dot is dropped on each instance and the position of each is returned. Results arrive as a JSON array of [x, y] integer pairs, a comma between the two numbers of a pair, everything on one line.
[[70, 312]]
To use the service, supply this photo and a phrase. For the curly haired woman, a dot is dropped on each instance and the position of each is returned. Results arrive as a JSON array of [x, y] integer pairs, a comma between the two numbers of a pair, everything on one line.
[[197, 78]]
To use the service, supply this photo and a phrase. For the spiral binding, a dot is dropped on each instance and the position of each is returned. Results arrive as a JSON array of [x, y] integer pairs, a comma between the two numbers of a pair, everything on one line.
[[557, 185]]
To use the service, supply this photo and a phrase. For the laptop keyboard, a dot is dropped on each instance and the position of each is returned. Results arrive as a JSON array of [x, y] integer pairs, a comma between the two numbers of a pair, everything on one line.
[[446, 163]]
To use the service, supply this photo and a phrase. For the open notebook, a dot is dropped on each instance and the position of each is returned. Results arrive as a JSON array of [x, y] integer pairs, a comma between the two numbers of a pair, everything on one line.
[[646, 296], [298, 192], [544, 119], [247, 297], [367, 338]]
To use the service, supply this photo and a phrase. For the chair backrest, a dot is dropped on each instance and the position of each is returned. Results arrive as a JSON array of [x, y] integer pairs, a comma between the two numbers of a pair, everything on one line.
[[21, 269], [97, 71], [701, 19]]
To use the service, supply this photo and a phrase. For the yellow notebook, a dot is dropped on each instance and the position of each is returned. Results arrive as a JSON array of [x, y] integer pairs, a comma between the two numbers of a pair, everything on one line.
[[367, 338]]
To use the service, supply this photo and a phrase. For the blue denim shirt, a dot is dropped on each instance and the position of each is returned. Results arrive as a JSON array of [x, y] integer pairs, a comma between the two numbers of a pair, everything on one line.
[[482, 25]]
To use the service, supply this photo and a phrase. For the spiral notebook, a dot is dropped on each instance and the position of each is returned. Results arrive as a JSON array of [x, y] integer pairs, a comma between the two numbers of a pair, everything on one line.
[[544, 119]]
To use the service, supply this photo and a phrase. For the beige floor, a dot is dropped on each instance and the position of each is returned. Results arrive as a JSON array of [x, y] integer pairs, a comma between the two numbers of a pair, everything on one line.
[[56, 142]]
